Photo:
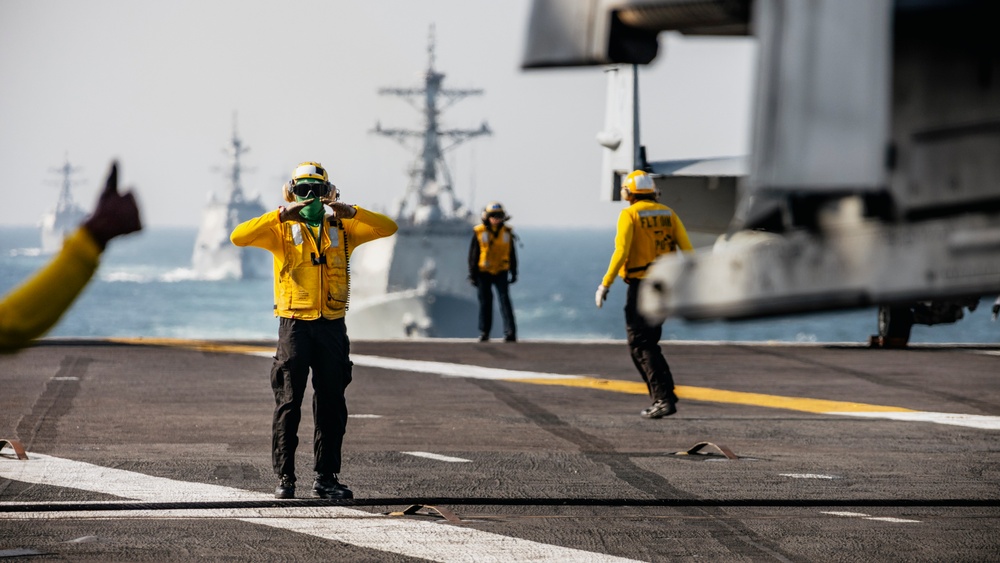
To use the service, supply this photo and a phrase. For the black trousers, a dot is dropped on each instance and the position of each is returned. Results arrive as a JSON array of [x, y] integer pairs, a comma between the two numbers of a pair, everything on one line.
[[644, 345], [323, 346], [486, 283]]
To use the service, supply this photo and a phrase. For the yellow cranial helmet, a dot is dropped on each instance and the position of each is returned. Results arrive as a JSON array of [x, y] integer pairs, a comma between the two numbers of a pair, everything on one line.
[[308, 176], [638, 182], [313, 170]]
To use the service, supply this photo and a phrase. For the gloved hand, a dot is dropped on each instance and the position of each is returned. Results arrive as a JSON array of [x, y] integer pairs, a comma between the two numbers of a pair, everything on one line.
[[473, 280], [513, 278], [601, 295]]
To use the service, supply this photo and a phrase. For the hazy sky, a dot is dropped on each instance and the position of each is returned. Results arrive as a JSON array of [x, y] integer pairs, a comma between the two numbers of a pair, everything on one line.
[[156, 85]]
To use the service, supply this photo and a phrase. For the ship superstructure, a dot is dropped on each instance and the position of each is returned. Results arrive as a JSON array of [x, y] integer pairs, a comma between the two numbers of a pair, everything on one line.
[[215, 257], [65, 216], [414, 283]]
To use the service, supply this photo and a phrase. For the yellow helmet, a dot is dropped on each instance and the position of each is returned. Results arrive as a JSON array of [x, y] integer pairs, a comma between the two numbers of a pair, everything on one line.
[[494, 208], [310, 169], [638, 182], [309, 173]]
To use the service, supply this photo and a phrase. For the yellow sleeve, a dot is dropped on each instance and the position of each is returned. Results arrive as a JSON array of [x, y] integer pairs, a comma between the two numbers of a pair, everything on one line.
[[681, 235], [37, 304], [623, 241], [367, 226], [261, 232]]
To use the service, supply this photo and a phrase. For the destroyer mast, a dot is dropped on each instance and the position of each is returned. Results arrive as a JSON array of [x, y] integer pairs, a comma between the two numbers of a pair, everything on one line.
[[429, 195], [415, 281], [66, 215]]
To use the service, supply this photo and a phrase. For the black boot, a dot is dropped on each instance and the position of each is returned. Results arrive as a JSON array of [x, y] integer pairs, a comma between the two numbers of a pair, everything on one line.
[[660, 409], [328, 486], [286, 487]]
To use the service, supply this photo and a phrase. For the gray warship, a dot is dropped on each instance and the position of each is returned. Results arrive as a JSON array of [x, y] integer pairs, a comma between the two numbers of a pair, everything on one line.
[[65, 216], [414, 284], [214, 257]]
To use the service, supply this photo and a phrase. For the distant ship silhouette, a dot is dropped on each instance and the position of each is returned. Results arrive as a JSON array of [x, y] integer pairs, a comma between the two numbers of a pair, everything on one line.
[[215, 257], [66, 215]]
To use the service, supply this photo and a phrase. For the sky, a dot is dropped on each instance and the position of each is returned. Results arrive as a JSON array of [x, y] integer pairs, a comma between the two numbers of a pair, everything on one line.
[[157, 84]]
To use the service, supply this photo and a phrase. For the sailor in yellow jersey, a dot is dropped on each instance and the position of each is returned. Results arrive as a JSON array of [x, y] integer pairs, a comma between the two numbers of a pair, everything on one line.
[[646, 230], [493, 263], [37, 304], [311, 289]]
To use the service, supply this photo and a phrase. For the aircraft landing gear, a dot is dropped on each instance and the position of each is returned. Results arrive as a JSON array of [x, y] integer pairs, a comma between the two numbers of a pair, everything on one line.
[[894, 324]]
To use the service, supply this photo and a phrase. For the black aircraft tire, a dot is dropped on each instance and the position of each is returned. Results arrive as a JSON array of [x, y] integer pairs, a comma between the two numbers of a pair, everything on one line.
[[894, 323]]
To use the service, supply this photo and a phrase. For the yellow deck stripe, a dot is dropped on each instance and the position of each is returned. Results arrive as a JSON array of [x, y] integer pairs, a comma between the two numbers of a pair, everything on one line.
[[722, 396], [705, 394], [200, 345]]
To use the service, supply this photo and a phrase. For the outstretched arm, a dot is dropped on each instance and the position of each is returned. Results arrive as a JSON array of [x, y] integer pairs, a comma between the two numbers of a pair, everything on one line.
[[366, 225], [38, 303]]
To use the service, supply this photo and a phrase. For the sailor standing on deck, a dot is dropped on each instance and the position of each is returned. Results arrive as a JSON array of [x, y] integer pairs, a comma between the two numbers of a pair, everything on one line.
[[311, 288], [493, 263], [646, 230]]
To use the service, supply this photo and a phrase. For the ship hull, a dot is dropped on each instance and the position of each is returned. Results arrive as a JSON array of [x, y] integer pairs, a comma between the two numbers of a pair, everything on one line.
[[56, 225], [413, 313], [215, 257], [414, 284]]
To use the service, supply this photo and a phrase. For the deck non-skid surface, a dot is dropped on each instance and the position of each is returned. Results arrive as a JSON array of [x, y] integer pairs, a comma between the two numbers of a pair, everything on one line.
[[160, 451]]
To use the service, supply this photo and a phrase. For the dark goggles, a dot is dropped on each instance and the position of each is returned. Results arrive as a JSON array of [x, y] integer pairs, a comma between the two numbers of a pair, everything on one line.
[[496, 215], [319, 189]]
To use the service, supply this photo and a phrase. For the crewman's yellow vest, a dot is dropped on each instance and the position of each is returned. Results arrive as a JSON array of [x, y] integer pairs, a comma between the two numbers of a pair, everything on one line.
[[652, 235], [494, 248], [311, 276], [304, 286]]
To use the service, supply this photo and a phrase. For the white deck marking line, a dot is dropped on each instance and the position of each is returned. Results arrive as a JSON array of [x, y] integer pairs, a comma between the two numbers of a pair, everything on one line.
[[984, 422], [968, 420], [806, 476], [364, 416], [425, 540], [442, 368], [438, 457], [867, 517], [477, 372]]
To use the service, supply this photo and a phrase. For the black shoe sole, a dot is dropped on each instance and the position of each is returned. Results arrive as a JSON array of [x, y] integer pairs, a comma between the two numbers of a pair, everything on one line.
[[659, 413], [284, 494]]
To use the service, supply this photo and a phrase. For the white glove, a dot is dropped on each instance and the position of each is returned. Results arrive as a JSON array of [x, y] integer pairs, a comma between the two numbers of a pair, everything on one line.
[[601, 295]]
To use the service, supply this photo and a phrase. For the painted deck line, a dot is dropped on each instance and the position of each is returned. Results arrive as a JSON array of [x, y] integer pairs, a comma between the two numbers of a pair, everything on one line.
[[981, 421], [456, 370], [867, 517], [438, 457], [425, 540], [802, 404], [707, 394]]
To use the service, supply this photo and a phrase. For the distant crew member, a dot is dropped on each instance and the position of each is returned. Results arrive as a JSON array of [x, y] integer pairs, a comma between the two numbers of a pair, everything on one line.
[[646, 230], [37, 304], [311, 289], [493, 263]]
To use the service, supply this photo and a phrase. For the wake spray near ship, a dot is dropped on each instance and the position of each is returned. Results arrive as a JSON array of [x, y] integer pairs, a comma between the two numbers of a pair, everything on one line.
[[66, 215], [416, 281], [214, 256]]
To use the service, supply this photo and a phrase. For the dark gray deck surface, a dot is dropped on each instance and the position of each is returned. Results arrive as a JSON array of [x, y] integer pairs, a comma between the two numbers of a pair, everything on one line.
[[559, 465]]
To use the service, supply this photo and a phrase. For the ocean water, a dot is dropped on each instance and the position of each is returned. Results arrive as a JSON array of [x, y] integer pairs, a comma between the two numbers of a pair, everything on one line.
[[146, 287]]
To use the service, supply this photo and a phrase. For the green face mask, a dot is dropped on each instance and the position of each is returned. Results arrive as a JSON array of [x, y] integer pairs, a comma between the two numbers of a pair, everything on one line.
[[312, 213]]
